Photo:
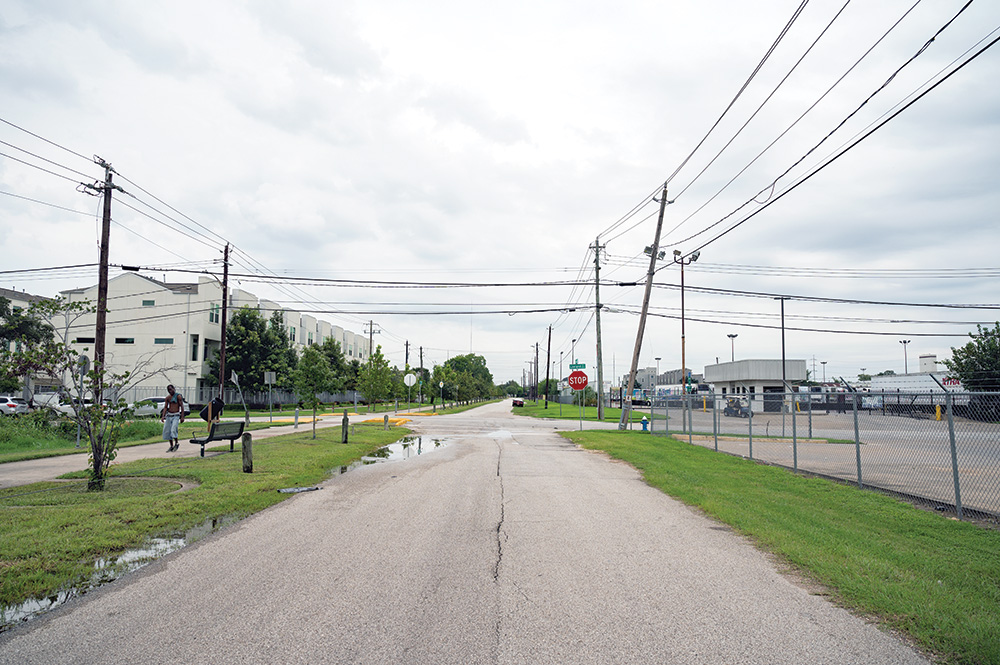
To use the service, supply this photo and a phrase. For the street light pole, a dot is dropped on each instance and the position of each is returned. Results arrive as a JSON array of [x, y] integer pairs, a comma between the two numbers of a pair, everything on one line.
[[732, 345], [679, 258], [657, 379], [823, 363], [906, 369]]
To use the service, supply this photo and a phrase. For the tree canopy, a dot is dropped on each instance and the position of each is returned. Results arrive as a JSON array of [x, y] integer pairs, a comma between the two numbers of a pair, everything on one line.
[[255, 346], [977, 364], [312, 376], [375, 377]]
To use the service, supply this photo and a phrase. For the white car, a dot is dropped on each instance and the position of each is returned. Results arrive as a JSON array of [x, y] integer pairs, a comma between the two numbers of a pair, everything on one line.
[[11, 405], [153, 406]]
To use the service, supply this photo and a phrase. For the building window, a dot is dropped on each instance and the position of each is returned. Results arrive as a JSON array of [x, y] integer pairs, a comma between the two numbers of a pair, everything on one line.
[[194, 348], [163, 340], [84, 340], [213, 314], [291, 333], [310, 338], [124, 340], [148, 303]]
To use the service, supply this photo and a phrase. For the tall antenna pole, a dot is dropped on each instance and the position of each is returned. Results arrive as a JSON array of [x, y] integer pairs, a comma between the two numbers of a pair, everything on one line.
[[645, 308]]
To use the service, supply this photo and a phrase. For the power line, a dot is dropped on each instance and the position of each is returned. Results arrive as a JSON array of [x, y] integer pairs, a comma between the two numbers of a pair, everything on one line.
[[42, 138]]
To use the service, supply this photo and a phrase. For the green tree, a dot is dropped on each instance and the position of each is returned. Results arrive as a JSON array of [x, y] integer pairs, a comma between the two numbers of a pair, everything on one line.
[[977, 364], [864, 377], [92, 389], [513, 388], [375, 378], [312, 376], [20, 327], [339, 366]]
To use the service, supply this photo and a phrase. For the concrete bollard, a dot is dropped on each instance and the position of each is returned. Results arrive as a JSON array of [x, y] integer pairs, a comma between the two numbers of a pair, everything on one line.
[[385, 422], [247, 443], [343, 425]]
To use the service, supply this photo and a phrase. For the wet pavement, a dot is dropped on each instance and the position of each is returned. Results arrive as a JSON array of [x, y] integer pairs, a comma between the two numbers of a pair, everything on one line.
[[507, 545]]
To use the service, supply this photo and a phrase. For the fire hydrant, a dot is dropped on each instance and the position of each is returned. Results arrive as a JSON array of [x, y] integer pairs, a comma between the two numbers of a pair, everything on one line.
[[645, 424]]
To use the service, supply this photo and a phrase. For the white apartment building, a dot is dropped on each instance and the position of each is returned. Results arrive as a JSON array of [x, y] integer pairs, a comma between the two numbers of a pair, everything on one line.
[[176, 328]]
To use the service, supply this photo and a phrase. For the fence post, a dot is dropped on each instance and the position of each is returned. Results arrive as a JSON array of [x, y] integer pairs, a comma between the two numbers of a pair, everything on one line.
[[954, 454], [689, 401], [810, 416], [795, 441], [750, 426], [857, 438], [715, 421]]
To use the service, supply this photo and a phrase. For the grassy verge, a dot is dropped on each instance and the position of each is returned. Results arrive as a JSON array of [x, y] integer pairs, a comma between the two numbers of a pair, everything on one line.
[[32, 443], [572, 412], [52, 533], [936, 580]]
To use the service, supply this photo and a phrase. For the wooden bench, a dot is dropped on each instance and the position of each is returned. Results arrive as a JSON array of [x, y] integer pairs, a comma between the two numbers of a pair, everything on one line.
[[221, 432]]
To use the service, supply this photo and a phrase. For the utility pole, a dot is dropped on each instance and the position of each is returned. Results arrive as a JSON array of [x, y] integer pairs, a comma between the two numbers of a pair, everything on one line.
[[371, 337], [101, 332], [600, 358], [420, 388], [225, 301], [548, 364], [536, 371], [407, 362], [645, 307]]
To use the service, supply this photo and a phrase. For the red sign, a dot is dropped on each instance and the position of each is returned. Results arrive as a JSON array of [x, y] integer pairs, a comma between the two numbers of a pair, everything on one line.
[[577, 380]]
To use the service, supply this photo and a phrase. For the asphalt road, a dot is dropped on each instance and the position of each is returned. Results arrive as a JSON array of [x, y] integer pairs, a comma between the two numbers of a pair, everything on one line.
[[508, 545]]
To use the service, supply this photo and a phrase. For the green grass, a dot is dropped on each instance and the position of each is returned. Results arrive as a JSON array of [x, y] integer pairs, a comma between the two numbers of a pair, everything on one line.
[[572, 412], [52, 533], [23, 440], [935, 579]]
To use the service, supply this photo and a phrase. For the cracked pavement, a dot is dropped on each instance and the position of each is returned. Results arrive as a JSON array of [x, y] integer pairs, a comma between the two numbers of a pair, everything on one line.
[[509, 545]]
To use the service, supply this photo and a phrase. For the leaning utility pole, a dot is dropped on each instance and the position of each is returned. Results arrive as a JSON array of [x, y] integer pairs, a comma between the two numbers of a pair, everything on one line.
[[645, 308], [222, 334], [548, 364], [600, 360]]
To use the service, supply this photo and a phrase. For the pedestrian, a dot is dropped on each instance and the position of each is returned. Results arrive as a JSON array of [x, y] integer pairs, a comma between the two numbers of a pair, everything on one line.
[[172, 415]]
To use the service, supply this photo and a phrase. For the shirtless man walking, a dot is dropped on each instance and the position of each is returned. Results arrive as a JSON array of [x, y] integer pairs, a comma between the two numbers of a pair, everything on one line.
[[172, 415]]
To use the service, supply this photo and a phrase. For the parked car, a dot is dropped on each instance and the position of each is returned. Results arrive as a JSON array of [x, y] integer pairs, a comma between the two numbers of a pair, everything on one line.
[[153, 406], [518, 401], [11, 405]]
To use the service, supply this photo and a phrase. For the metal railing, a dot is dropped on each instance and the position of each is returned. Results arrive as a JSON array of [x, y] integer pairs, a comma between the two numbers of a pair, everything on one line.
[[939, 448]]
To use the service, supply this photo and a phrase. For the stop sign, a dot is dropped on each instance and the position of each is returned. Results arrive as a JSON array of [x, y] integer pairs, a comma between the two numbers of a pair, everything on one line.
[[577, 380]]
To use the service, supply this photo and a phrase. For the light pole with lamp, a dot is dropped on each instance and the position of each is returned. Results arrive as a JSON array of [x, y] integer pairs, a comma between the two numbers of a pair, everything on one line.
[[732, 345], [560, 382], [657, 379], [906, 369], [823, 363], [679, 258]]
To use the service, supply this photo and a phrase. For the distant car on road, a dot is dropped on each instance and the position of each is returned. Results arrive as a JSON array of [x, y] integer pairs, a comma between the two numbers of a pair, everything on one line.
[[10, 405], [518, 401]]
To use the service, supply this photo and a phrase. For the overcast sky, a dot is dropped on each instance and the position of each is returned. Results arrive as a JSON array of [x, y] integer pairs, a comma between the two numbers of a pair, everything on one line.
[[492, 143]]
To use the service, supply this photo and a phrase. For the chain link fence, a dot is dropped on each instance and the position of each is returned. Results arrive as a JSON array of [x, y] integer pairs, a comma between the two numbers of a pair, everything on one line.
[[942, 449]]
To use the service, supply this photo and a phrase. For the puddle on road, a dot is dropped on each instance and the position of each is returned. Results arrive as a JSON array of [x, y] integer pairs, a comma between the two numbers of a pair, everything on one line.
[[406, 448], [110, 569]]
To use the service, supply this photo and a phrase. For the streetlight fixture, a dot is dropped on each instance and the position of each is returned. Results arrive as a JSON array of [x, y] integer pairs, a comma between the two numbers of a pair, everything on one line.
[[657, 379], [679, 258], [823, 363], [906, 369], [572, 351], [732, 345]]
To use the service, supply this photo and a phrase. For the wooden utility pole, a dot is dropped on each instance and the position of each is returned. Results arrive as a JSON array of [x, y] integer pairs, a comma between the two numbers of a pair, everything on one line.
[[645, 308], [420, 386], [222, 333], [371, 337], [600, 359], [548, 364], [101, 332], [407, 361]]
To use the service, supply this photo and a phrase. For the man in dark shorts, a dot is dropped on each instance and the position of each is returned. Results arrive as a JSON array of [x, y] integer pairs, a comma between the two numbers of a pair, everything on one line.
[[172, 416]]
